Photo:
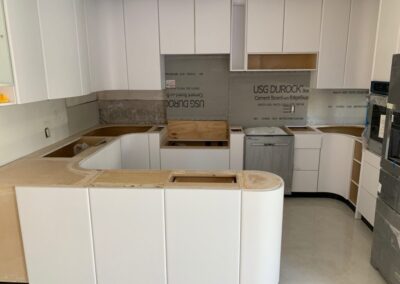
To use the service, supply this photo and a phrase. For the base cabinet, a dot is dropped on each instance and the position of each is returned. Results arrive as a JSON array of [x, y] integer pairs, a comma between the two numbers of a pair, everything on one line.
[[57, 235], [135, 152], [203, 236], [128, 233]]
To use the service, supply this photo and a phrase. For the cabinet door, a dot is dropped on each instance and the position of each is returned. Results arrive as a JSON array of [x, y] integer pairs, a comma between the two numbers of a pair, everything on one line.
[[302, 25], [387, 39], [135, 151], [366, 205], [107, 46], [336, 164], [306, 159], [176, 26], [305, 181], [361, 44], [60, 48], [265, 25], [203, 236], [24, 28], [129, 235], [83, 45], [57, 235], [370, 179], [213, 26], [333, 47], [143, 45], [307, 141], [6, 76]]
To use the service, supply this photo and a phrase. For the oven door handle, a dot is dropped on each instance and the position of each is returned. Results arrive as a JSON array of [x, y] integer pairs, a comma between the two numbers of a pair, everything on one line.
[[269, 144]]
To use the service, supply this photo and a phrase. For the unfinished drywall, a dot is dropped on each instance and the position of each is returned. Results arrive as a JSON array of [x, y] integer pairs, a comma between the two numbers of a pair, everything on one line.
[[22, 126]]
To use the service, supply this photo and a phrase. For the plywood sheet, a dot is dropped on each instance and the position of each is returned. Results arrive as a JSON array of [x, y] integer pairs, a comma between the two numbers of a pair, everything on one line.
[[282, 61], [210, 130]]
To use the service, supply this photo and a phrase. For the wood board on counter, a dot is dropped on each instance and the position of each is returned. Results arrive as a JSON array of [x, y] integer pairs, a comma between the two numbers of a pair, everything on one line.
[[209, 130]]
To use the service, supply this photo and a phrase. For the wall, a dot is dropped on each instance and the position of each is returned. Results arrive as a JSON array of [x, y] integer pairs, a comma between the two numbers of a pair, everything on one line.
[[22, 126]]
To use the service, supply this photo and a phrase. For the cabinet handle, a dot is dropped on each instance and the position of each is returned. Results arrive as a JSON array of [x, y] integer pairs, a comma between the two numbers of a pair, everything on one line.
[[269, 144]]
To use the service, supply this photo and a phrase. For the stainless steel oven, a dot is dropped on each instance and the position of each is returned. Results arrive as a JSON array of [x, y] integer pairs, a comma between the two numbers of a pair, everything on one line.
[[391, 145]]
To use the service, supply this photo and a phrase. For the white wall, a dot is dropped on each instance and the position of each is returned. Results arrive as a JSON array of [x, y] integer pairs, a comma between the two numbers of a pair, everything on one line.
[[22, 126]]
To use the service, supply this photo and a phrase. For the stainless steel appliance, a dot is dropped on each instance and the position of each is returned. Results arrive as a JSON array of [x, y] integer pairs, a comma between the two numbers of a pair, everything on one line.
[[377, 116], [385, 254], [270, 149]]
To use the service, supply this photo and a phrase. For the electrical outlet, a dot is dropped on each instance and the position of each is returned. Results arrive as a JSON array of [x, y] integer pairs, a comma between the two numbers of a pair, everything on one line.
[[47, 132]]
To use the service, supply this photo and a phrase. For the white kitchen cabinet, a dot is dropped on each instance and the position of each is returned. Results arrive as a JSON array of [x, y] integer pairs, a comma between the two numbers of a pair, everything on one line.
[[177, 26], [200, 224], [305, 181], [129, 235], [135, 151], [306, 159], [302, 25], [212, 26], [57, 235], [388, 39], [107, 45], [60, 48], [370, 179], [361, 43], [107, 158], [83, 48], [336, 164], [145, 65], [154, 149], [6, 72], [195, 159], [366, 205], [28, 65], [265, 25], [307, 141], [333, 45], [236, 153]]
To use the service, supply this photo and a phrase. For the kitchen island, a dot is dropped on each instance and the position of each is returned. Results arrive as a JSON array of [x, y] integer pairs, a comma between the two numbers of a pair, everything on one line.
[[141, 226]]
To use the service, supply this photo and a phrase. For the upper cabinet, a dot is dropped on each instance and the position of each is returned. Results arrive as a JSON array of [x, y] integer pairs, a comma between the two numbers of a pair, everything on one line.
[[107, 45], [6, 77], [348, 34], [360, 47], [265, 26], [26, 50], [61, 48], [212, 26], [145, 65], [302, 25], [194, 26], [388, 39], [177, 26]]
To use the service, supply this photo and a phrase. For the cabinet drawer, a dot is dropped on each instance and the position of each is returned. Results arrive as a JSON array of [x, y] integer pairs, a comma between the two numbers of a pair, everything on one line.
[[307, 141], [370, 179], [306, 159], [305, 181], [371, 158], [366, 205]]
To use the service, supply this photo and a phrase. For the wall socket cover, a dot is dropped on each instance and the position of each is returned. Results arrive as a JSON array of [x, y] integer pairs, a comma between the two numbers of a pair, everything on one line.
[[47, 132]]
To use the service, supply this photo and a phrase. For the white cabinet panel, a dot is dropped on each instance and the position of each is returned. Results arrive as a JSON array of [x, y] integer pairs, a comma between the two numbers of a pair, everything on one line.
[[366, 205], [135, 151], [336, 164], [60, 45], [370, 179], [305, 181], [333, 47], [57, 235], [82, 45], [361, 44], [265, 25], [200, 224], [6, 71], [261, 237], [154, 149], [176, 26], [194, 159], [387, 41], [107, 158], [307, 141], [371, 158], [236, 152], [28, 63], [306, 159], [143, 45], [302, 25], [129, 235], [107, 50], [212, 26]]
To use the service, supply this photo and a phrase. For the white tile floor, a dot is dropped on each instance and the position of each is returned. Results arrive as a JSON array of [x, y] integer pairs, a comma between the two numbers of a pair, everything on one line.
[[324, 244]]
